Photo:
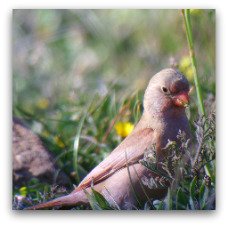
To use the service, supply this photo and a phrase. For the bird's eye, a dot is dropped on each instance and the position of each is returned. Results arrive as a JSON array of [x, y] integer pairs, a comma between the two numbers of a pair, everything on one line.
[[164, 89]]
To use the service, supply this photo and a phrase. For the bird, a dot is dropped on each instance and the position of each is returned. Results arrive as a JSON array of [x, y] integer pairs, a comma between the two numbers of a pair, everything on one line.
[[119, 176]]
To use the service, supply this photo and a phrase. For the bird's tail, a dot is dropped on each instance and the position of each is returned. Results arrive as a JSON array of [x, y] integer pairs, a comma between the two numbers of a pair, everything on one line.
[[68, 200]]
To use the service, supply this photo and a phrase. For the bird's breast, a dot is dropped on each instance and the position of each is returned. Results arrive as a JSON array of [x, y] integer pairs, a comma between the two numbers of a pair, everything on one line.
[[169, 130]]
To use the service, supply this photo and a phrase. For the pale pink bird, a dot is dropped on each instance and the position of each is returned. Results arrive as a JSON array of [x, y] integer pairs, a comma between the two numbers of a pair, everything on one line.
[[119, 176]]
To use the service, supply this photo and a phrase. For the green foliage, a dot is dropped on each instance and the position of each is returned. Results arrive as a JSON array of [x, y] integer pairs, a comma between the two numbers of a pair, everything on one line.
[[97, 201]]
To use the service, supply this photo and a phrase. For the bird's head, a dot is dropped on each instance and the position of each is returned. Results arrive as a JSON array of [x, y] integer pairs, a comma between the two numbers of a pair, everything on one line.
[[167, 90]]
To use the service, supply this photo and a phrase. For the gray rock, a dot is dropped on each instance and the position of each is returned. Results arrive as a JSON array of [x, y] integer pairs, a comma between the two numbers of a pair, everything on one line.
[[31, 159]]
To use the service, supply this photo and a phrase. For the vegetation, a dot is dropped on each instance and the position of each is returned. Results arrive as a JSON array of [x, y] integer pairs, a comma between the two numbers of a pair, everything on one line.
[[78, 81]]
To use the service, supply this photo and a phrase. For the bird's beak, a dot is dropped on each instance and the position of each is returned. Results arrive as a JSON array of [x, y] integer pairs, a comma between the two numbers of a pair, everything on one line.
[[181, 99]]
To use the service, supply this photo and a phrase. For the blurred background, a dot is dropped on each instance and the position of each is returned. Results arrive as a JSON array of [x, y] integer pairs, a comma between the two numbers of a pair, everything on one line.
[[59, 55], [76, 73]]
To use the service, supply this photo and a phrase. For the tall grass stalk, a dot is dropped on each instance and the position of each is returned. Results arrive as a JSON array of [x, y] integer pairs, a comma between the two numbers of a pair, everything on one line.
[[188, 27]]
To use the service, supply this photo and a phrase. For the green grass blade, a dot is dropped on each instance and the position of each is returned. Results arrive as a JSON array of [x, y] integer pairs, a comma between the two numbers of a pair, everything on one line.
[[76, 146], [188, 27]]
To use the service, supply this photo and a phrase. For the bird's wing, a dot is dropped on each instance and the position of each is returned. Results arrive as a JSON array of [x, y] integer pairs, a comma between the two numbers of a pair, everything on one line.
[[130, 151]]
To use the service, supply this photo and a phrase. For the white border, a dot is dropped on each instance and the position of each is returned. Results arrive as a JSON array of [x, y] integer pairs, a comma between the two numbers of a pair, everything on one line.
[[218, 217]]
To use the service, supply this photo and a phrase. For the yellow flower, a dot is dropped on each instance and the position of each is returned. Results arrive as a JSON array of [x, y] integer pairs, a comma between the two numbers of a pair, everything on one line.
[[185, 67], [123, 129], [23, 191], [196, 12], [185, 62], [189, 74], [42, 103], [59, 142]]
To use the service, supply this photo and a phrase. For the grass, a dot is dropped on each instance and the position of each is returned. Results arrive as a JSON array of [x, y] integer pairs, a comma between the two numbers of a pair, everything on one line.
[[187, 22], [81, 135], [192, 190], [188, 27]]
